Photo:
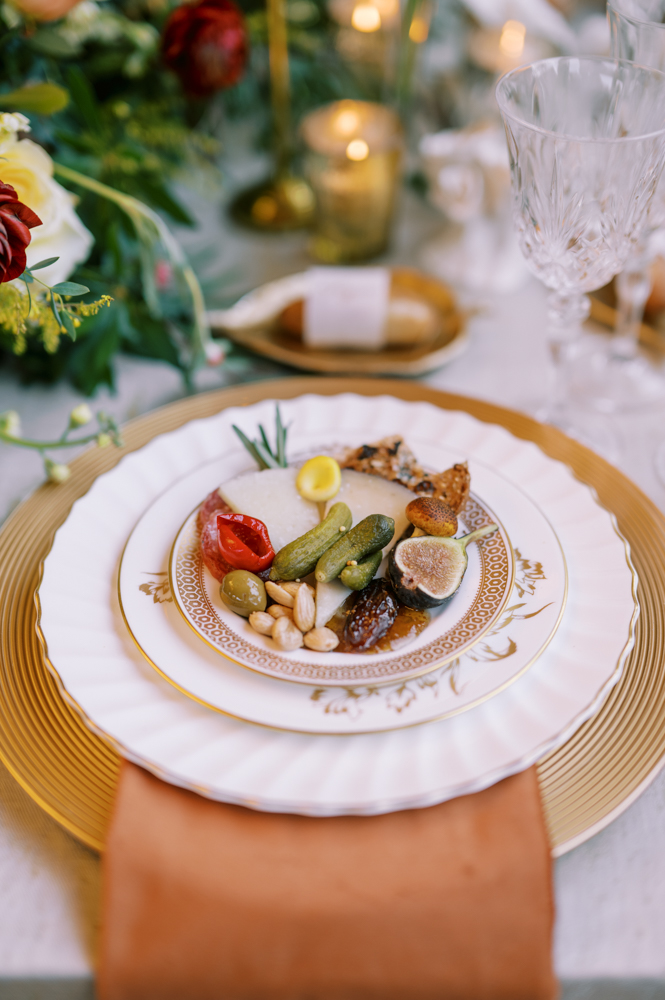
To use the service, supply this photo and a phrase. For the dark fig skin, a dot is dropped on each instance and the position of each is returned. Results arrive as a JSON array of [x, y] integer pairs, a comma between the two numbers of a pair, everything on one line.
[[412, 597]]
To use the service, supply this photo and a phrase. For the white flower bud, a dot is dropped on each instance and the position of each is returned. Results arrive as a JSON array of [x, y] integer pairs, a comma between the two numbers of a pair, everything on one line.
[[10, 423], [56, 471], [80, 415], [214, 353]]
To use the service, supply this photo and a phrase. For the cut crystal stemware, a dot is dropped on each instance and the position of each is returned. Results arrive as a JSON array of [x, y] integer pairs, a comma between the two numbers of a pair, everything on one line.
[[586, 141]]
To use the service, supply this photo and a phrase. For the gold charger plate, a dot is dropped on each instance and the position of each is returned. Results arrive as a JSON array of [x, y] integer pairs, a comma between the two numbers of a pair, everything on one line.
[[271, 342], [72, 773]]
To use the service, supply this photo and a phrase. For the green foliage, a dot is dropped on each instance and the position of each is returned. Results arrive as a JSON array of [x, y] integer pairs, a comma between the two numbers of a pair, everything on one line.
[[37, 98], [102, 104]]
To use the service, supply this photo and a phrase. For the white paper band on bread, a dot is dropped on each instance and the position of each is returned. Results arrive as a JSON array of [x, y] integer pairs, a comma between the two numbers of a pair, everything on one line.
[[347, 307]]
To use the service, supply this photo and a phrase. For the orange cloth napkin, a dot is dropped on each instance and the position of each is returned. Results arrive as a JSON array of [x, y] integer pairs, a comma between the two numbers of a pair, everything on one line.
[[205, 901]]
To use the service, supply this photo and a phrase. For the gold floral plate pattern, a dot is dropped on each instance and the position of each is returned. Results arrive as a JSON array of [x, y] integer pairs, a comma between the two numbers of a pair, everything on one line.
[[72, 773]]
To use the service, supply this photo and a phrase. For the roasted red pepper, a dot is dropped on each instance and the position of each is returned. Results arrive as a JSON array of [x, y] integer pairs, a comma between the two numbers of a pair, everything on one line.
[[244, 542]]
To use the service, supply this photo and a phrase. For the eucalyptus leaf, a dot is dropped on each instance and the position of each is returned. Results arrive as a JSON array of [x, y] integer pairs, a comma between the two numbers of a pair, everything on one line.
[[69, 288], [27, 277], [50, 43], [40, 98], [68, 324], [27, 288], [42, 263]]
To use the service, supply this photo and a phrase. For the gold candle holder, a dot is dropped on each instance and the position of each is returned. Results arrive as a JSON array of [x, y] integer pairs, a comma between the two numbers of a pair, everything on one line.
[[352, 164], [366, 38]]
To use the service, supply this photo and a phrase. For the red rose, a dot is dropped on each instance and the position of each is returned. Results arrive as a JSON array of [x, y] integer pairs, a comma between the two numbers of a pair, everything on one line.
[[16, 221], [206, 44]]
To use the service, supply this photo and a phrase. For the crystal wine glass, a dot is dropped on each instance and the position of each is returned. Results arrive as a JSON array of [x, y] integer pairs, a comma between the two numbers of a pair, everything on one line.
[[637, 30], [586, 141]]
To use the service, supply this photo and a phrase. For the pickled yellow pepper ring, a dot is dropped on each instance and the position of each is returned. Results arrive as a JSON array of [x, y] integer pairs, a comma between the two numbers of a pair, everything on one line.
[[319, 479]]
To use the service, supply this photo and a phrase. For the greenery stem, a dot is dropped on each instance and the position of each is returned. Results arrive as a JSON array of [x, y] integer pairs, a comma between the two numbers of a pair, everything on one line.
[[42, 445], [150, 228], [406, 56], [280, 88]]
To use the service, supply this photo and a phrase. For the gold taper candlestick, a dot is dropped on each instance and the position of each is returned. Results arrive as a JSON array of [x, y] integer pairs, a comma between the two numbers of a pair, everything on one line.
[[284, 201]]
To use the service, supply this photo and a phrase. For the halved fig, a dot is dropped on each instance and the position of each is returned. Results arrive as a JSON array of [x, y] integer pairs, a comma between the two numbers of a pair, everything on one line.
[[427, 570]]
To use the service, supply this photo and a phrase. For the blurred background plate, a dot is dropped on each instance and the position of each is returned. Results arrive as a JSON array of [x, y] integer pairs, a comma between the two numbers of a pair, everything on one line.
[[253, 323]]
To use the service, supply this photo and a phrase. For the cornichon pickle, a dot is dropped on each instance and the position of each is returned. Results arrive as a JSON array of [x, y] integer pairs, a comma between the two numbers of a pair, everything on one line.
[[357, 577], [373, 532], [299, 557], [243, 592]]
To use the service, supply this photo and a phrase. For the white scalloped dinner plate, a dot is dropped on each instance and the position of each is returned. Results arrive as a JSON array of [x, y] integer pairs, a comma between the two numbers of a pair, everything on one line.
[[122, 698], [519, 635]]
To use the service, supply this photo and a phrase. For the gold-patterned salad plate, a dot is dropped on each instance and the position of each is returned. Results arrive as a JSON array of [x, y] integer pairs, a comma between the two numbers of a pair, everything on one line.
[[520, 634], [72, 772], [477, 607]]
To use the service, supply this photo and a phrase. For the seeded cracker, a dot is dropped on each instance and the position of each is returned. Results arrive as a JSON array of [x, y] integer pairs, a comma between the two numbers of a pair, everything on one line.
[[392, 459]]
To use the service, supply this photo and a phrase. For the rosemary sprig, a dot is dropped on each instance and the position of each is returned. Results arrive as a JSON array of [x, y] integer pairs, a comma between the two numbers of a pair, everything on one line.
[[260, 448]]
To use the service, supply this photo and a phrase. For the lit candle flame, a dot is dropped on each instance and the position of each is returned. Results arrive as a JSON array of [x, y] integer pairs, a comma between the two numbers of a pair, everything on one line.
[[357, 150], [513, 35], [366, 17], [347, 122]]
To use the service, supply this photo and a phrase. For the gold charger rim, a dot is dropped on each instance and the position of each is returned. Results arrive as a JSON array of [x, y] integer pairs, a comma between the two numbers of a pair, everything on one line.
[[82, 801]]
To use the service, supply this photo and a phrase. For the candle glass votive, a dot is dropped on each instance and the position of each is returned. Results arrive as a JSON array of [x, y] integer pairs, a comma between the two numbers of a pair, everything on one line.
[[353, 164]]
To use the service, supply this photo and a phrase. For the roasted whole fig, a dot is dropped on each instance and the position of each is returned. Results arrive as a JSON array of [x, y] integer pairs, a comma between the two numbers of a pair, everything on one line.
[[427, 570], [372, 615], [432, 516]]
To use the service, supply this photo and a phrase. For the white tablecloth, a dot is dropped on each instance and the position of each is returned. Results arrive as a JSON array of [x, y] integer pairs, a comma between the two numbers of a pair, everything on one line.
[[610, 892]]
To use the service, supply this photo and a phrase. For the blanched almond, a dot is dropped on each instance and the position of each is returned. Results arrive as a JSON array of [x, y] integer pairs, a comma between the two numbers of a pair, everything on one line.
[[286, 635], [293, 586], [261, 622], [278, 594], [279, 611], [321, 639], [304, 610]]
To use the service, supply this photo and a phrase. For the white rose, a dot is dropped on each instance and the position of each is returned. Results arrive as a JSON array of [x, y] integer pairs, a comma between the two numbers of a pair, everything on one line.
[[29, 169]]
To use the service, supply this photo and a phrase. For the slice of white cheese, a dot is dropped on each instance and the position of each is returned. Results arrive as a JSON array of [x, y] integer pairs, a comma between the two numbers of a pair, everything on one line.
[[329, 596], [271, 495], [367, 495]]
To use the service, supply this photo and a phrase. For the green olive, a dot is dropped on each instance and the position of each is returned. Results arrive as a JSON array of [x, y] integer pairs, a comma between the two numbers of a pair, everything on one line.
[[243, 592]]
